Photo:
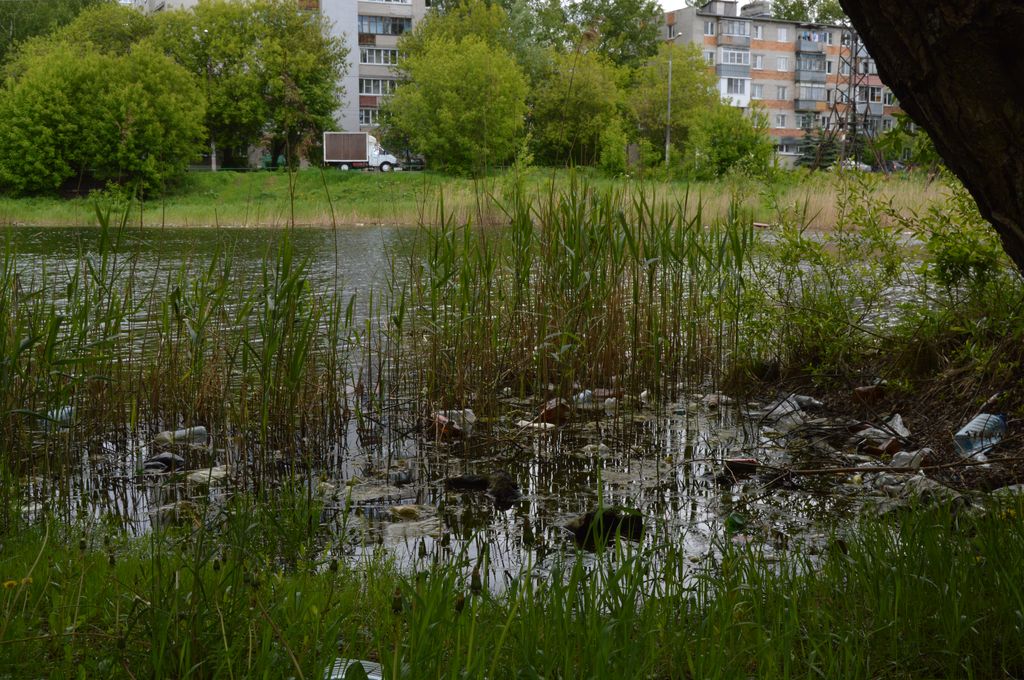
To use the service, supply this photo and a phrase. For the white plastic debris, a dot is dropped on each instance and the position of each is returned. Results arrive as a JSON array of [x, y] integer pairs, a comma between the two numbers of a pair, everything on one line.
[[462, 418], [60, 418], [583, 398], [527, 424], [909, 459], [209, 476], [806, 402], [187, 435], [895, 424], [977, 437], [342, 670]]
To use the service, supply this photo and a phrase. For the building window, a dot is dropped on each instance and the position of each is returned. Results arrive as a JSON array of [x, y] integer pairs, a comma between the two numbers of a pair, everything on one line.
[[781, 92], [875, 95], [757, 91], [889, 99], [709, 57], [811, 92], [867, 66], [758, 61], [810, 63], [787, 148], [709, 28], [740, 28], [369, 116], [672, 30], [846, 40], [758, 33], [782, 64], [384, 25], [886, 124], [735, 86], [377, 85], [806, 121], [844, 68], [735, 57], [829, 66], [376, 55], [780, 120], [783, 34]]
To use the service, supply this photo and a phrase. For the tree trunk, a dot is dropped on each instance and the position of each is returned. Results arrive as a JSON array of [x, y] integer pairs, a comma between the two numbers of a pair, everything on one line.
[[957, 67]]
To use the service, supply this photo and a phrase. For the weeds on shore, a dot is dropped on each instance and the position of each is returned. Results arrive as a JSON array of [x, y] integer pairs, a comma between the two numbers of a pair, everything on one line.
[[926, 594]]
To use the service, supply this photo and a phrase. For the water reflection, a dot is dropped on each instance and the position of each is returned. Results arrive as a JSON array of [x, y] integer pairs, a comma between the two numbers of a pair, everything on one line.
[[665, 462]]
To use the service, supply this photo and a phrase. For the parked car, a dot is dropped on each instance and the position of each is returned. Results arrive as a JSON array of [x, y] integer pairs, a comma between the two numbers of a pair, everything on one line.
[[851, 164]]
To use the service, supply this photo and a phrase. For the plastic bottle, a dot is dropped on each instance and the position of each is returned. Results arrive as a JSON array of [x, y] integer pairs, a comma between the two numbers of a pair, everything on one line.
[[583, 397], [978, 436]]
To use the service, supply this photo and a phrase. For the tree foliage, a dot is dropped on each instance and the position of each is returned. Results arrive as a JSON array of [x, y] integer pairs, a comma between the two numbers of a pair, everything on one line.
[[820, 11], [270, 70], [626, 31], [693, 92], [77, 114], [570, 108], [724, 139], [463, 104], [907, 141], [22, 20]]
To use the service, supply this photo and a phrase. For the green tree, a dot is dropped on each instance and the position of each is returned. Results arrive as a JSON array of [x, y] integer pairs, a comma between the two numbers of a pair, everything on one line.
[[572, 106], [78, 115], [109, 27], [463, 103], [818, 150], [626, 31], [694, 92], [486, 21], [821, 11], [22, 20], [270, 71], [909, 142], [724, 139]]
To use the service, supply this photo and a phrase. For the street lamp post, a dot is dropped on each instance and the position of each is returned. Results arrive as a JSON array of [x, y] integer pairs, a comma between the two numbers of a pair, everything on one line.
[[668, 116]]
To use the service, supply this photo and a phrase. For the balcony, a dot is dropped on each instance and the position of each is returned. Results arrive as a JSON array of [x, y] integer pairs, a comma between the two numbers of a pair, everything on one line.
[[732, 71], [367, 39], [804, 45], [733, 40], [807, 76], [809, 104], [870, 108]]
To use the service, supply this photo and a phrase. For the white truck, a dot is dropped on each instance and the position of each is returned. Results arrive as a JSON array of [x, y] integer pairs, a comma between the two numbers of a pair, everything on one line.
[[347, 150]]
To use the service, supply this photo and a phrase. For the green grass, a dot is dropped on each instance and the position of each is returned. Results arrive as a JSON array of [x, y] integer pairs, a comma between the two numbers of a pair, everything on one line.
[[924, 595], [274, 198]]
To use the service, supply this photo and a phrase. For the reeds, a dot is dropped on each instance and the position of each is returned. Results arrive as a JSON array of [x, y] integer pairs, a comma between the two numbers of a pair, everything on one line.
[[925, 594], [585, 287]]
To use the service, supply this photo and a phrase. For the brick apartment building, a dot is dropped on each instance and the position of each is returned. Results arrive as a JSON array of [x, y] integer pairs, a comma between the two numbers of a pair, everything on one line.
[[803, 76], [371, 29]]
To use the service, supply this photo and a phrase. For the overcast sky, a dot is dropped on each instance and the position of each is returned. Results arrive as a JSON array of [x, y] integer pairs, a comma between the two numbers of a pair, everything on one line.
[[669, 5]]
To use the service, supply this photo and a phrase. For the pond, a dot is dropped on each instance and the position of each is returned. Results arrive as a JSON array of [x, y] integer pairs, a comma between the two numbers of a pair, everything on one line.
[[385, 486]]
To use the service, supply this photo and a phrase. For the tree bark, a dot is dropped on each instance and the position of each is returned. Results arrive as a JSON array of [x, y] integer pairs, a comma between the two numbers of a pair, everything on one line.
[[957, 67]]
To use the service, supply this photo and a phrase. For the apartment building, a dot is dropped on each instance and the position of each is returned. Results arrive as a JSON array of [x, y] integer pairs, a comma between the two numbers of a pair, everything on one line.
[[803, 76], [371, 29]]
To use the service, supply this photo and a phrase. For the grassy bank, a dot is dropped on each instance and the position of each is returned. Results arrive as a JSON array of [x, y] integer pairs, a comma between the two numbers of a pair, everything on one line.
[[589, 284], [309, 197], [920, 596]]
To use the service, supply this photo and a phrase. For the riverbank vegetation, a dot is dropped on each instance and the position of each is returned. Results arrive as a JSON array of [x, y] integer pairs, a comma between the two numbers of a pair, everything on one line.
[[598, 286], [923, 595], [335, 198]]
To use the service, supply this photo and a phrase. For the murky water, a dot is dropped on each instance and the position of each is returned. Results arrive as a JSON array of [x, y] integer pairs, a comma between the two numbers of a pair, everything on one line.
[[665, 460]]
